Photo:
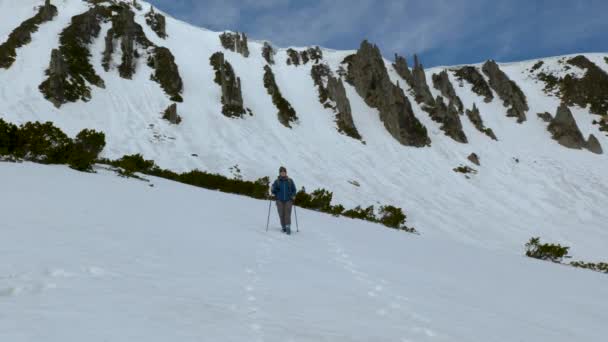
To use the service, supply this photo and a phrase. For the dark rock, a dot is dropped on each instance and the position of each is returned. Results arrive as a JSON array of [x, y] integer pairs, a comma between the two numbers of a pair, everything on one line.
[[593, 145], [367, 73], [402, 70], [546, 116], [293, 57], [333, 95], [166, 73], [475, 118], [75, 55], [303, 57], [564, 129], [507, 90], [171, 115], [57, 79], [22, 35], [268, 53], [442, 83], [157, 23], [225, 77], [474, 77], [235, 42], [344, 117], [286, 113], [449, 118], [474, 158], [421, 88]]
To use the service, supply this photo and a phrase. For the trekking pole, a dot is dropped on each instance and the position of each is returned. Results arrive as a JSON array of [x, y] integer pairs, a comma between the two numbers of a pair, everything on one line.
[[296, 212], [268, 219]]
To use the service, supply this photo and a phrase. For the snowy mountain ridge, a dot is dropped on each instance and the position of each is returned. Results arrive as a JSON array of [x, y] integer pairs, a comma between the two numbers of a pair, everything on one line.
[[527, 183]]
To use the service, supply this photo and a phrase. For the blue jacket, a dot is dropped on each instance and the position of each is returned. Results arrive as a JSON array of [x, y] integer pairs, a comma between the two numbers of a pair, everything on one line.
[[284, 189]]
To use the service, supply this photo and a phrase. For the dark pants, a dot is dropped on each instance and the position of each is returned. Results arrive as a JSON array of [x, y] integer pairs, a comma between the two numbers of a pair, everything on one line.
[[284, 209]]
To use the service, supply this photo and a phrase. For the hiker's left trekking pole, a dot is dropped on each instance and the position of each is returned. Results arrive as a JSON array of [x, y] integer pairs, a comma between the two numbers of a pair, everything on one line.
[[268, 219]]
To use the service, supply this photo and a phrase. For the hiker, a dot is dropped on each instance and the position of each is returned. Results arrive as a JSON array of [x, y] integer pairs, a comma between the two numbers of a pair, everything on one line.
[[284, 191]]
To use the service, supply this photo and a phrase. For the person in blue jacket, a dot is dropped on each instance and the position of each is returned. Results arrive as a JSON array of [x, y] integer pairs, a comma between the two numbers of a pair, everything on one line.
[[284, 191]]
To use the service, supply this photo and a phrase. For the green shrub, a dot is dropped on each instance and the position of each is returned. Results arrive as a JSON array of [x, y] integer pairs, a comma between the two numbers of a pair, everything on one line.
[[8, 137], [42, 142], [133, 163], [320, 200], [546, 251], [366, 214], [598, 267], [85, 149]]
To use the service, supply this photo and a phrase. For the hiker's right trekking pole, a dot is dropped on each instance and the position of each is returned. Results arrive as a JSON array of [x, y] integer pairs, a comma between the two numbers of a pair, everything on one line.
[[297, 225], [268, 219]]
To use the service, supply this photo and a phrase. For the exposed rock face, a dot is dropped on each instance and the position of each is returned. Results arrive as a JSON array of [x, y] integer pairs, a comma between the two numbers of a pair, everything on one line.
[[157, 23], [546, 116], [449, 118], [474, 158], [474, 77], [564, 129], [421, 88], [75, 56], [166, 73], [344, 117], [268, 53], [22, 35], [593, 145], [403, 70], [232, 98], [475, 118], [171, 115], [442, 83], [130, 33], [303, 57], [333, 95], [236, 42], [507, 90], [368, 74], [589, 90], [286, 113], [56, 81]]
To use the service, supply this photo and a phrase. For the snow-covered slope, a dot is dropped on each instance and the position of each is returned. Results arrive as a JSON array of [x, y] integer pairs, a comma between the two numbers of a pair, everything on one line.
[[527, 184], [96, 257]]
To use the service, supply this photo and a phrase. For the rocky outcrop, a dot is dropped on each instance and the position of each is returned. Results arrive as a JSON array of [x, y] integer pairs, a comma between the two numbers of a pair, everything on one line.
[[367, 73], [564, 129], [333, 95], [593, 145], [474, 158], [286, 114], [449, 118], [56, 83], [403, 70], [474, 77], [22, 35], [507, 90], [420, 86], [157, 23], [74, 55], [235, 42], [442, 83], [475, 118], [344, 116], [303, 57], [166, 73], [268, 53], [232, 97], [131, 36], [546, 116], [171, 115]]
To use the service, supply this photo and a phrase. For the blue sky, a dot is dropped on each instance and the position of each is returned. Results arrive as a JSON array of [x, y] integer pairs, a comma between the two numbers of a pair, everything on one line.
[[442, 32]]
